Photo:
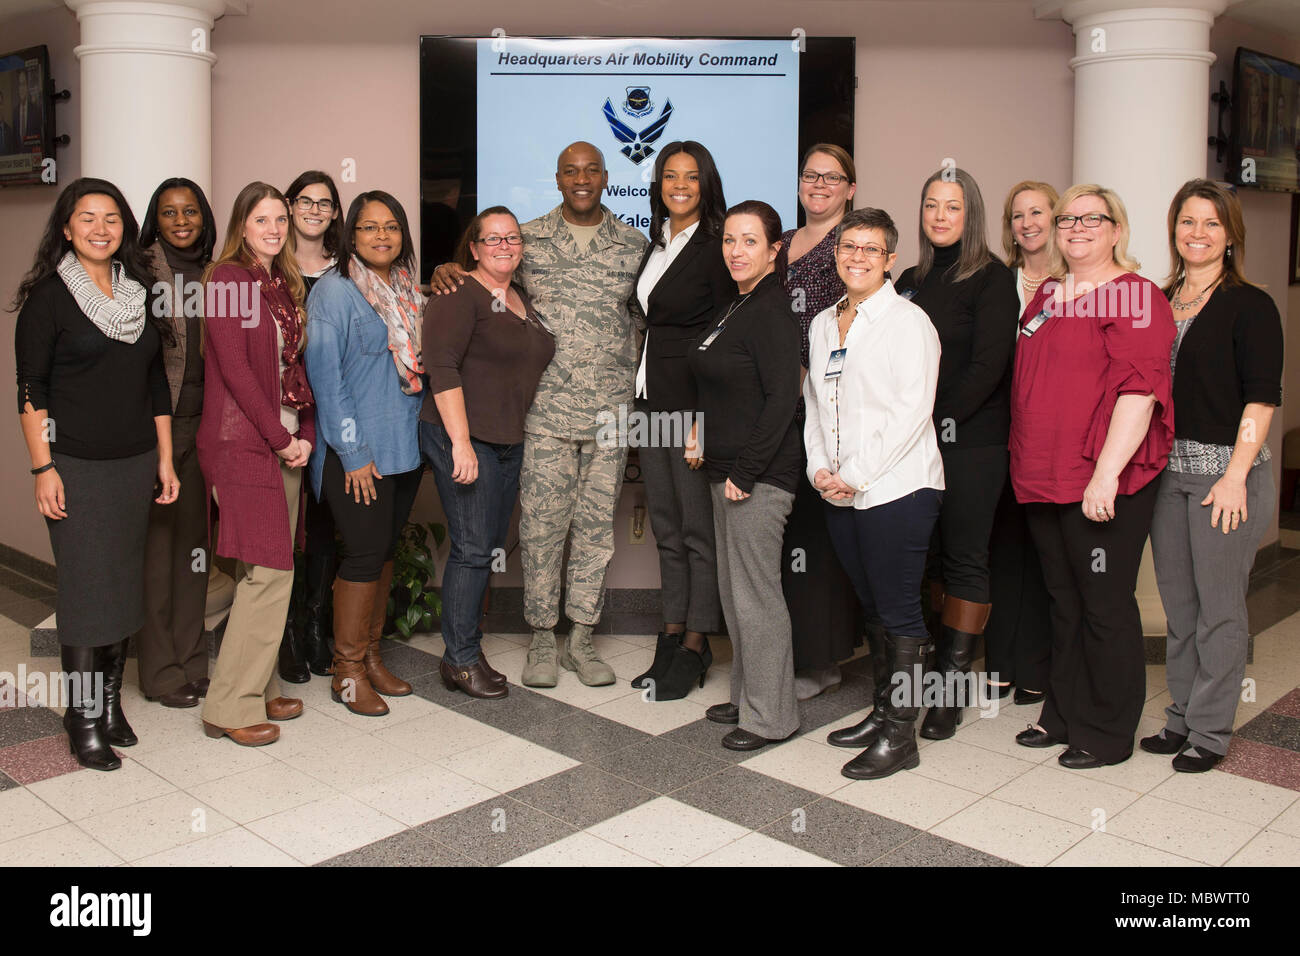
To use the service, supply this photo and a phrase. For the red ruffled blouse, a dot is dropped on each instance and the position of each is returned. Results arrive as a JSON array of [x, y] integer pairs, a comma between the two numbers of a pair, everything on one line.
[[1112, 341]]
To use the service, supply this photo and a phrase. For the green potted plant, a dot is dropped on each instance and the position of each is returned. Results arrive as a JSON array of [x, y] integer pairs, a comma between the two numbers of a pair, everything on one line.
[[413, 604]]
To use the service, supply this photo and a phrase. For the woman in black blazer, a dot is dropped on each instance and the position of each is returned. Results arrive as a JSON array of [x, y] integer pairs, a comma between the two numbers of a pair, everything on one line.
[[680, 284]]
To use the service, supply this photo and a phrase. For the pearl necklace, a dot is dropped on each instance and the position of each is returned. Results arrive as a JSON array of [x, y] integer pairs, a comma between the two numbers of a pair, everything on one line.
[[1031, 284]]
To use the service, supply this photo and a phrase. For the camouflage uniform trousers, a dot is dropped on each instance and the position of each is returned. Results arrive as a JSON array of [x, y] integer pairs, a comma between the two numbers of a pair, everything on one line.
[[568, 489]]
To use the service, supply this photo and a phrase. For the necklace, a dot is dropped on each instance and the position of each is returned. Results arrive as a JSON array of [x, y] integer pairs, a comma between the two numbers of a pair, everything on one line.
[[1031, 284], [1182, 306], [734, 306]]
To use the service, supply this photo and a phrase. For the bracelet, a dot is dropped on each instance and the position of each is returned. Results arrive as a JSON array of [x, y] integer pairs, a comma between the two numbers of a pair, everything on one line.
[[46, 467]]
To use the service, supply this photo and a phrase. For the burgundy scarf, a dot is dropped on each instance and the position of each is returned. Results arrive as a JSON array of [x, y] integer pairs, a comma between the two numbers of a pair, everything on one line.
[[295, 392]]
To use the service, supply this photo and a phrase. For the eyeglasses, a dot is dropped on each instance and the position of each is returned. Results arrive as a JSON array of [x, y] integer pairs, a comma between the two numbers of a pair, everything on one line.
[[830, 179], [1090, 220], [303, 204], [849, 249], [371, 228], [511, 240]]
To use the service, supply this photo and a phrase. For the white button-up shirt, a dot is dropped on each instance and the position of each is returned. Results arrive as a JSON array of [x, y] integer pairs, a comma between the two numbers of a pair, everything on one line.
[[872, 425], [661, 257]]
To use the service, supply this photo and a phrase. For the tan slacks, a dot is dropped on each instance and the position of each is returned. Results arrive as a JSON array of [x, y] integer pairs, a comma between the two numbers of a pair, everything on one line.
[[245, 677]]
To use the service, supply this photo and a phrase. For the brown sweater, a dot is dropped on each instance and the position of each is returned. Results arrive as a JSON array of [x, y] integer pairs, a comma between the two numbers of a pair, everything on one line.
[[493, 355]]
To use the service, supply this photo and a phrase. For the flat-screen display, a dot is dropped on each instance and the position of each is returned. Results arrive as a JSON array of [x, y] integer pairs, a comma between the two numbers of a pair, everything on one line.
[[1265, 141], [495, 112], [26, 119]]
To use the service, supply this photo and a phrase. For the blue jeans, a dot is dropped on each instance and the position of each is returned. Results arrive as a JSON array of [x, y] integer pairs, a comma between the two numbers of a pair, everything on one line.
[[478, 519]]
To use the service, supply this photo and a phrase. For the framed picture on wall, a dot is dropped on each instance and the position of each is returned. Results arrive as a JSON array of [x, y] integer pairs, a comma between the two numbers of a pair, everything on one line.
[[1295, 239]]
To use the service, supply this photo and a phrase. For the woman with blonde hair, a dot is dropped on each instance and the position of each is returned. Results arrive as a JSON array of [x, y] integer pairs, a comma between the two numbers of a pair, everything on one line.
[[1092, 423], [1227, 367], [1017, 638], [257, 432]]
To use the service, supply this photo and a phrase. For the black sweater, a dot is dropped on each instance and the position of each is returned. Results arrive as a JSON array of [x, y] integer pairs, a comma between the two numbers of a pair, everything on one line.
[[1231, 356], [748, 383], [101, 394], [976, 321]]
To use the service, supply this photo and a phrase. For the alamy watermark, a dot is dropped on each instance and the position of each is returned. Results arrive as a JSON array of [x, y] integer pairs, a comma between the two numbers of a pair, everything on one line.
[[52, 689], [634, 428]]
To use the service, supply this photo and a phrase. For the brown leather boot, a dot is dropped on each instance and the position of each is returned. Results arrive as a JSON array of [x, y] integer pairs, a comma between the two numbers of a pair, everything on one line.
[[381, 679], [473, 680], [353, 603]]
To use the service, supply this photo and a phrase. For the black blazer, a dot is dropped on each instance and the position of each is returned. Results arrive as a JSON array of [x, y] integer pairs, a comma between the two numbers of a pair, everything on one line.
[[681, 304]]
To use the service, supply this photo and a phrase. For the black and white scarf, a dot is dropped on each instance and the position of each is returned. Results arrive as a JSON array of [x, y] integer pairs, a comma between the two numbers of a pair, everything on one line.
[[121, 317]]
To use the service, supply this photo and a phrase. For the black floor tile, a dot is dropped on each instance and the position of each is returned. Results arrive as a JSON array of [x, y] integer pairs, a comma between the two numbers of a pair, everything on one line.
[[706, 737], [742, 796], [27, 611], [496, 831], [521, 711], [843, 834], [6, 783], [408, 848], [407, 662], [926, 849], [1270, 727], [583, 796], [21, 724], [660, 765], [582, 736], [431, 688], [13, 582], [854, 693]]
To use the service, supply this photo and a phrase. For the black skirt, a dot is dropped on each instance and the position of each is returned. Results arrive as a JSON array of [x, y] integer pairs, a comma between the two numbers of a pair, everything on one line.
[[99, 547], [825, 617]]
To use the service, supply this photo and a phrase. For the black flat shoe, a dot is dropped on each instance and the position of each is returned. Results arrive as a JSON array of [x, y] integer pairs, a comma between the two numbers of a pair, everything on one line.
[[743, 740], [1031, 736], [999, 691], [723, 714], [1024, 698], [862, 734], [664, 649], [1163, 743], [1076, 759], [1195, 760], [184, 696]]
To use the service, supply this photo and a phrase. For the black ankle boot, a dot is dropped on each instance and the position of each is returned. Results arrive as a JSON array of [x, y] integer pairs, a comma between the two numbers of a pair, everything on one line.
[[293, 665], [113, 661], [894, 748], [664, 648], [955, 655], [864, 733], [83, 718], [685, 668], [318, 632]]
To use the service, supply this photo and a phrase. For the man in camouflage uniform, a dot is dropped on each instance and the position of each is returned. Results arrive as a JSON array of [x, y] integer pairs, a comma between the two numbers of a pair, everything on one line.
[[579, 268]]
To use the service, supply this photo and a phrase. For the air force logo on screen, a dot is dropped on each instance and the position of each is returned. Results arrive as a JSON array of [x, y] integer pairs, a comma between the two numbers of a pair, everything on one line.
[[637, 104]]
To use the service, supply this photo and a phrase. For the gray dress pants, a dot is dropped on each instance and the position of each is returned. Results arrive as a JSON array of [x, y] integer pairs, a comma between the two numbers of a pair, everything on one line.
[[748, 536], [1202, 575]]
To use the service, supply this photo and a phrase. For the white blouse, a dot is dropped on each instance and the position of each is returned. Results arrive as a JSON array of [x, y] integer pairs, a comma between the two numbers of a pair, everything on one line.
[[872, 425]]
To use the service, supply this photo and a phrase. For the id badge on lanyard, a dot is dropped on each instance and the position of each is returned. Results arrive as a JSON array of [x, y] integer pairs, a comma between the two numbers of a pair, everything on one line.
[[711, 336], [1034, 324], [836, 364]]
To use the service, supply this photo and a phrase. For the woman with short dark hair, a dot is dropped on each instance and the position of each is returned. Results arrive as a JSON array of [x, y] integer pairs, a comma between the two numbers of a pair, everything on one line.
[[178, 237], [363, 359], [747, 376], [1227, 367], [96, 416], [485, 349]]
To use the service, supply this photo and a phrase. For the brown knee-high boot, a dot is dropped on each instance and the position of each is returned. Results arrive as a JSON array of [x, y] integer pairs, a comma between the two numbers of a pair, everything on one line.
[[381, 679], [353, 604], [963, 623]]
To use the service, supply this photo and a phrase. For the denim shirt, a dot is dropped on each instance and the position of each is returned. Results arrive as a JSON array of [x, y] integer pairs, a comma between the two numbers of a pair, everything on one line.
[[360, 410]]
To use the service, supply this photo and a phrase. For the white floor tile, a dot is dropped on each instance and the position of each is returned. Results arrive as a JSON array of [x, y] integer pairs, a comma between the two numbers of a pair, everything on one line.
[[507, 763], [580, 849], [668, 832], [971, 768], [66, 845], [1067, 794], [657, 717], [804, 764], [758, 849], [80, 794], [1228, 795], [22, 812], [324, 828], [439, 734], [152, 826], [907, 797], [399, 709], [194, 762], [423, 794], [234, 847], [1288, 821], [1106, 849], [1181, 830], [260, 792], [1010, 832], [355, 762], [1267, 849]]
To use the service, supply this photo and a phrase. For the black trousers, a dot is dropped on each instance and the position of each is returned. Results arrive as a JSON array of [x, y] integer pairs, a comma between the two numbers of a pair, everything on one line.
[[973, 480], [1018, 638], [369, 532], [1098, 674], [318, 525]]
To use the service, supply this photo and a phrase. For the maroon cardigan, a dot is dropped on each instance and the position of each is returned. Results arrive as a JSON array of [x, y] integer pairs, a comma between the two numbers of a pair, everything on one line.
[[241, 430]]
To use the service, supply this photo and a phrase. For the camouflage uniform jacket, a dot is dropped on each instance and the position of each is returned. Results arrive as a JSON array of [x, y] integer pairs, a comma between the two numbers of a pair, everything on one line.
[[583, 297]]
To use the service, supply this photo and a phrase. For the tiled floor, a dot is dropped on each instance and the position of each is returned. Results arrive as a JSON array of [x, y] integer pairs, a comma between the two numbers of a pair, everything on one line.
[[600, 777]]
